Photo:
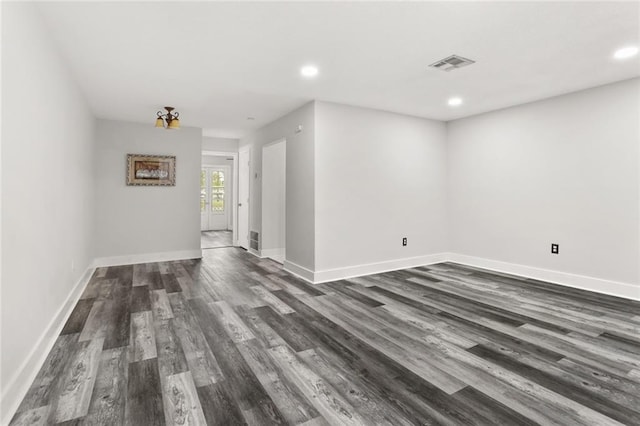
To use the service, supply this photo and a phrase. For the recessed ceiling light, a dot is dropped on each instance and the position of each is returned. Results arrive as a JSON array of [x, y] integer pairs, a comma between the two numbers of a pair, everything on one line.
[[626, 52], [454, 102], [309, 71]]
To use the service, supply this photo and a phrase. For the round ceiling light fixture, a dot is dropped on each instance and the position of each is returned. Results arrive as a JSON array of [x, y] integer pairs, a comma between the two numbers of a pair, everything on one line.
[[454, 102], [626, 52], [309, 71]]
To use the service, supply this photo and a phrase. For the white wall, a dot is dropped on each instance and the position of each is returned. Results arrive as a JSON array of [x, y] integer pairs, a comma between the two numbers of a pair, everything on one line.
[[274, 206], [139, 220], [300, 229], [217, 160], [47, 193], [379, 177], [562, 170], [219, 144]]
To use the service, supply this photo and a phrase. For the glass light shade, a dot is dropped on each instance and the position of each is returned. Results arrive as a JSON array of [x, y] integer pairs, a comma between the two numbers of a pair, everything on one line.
[[174, 124], [159, 122]]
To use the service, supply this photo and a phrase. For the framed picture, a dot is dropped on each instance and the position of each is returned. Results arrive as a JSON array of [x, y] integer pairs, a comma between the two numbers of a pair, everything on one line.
[[151, 170]]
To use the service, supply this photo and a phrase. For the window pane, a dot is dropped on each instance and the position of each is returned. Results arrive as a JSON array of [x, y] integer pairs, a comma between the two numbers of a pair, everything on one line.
[[217, 192], [217, 178], [217, 203]]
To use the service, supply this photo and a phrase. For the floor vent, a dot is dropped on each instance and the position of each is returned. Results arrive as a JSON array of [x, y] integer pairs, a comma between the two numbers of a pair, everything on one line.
[[451, 63], [254, 240]]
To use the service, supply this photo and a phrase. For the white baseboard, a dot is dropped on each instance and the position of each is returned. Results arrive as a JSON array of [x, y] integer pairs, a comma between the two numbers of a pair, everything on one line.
[[611, 288], [148, 258], [376, 268], [299, 271], [19, 383], [271, 253], [275, 252]]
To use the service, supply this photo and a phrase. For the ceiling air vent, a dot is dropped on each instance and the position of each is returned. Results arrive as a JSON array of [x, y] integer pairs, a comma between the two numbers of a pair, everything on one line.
[[451, 63]]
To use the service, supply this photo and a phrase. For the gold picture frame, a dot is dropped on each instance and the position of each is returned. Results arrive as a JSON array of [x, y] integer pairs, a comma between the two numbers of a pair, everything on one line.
[[151, 170]]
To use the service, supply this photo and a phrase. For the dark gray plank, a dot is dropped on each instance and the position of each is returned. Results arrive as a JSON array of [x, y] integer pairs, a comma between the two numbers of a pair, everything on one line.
[[170, 283], [118, 326], [343, 287], [405, 300], [286, 326], [78, 317], [219, 406], [144, 394], [140, 299], [488, 410], [155, 280]]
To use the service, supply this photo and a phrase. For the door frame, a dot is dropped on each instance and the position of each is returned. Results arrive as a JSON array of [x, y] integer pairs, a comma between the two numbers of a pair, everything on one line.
[[234, 201], [228, 213], [246, 150]]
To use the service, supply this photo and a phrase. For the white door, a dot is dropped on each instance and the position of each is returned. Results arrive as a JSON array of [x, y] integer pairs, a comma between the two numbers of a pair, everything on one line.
[[244, 176], [214, 208]]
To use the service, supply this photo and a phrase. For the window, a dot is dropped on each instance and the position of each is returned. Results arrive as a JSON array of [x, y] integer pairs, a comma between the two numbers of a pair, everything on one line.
[[217, 192]]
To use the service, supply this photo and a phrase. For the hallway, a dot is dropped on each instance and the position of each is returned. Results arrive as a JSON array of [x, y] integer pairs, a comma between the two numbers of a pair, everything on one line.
[[216, 239]]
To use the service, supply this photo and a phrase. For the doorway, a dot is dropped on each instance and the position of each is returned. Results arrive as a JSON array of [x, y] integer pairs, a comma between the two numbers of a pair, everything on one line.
[[215, 198], [218, 182]]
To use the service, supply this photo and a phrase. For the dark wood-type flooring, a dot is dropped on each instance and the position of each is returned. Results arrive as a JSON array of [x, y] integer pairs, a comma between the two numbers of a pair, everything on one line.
[[233, 339], [216, 239]]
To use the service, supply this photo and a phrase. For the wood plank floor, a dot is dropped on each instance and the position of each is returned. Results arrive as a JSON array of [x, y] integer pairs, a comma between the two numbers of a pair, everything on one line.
[[234, 340], [216, 239]]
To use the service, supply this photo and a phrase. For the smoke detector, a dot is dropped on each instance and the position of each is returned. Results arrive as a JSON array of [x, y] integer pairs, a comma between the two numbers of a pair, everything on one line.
[[451, 63]]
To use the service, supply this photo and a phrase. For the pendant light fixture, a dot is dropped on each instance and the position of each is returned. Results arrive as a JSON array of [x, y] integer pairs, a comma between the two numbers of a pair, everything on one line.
[[168, 120]]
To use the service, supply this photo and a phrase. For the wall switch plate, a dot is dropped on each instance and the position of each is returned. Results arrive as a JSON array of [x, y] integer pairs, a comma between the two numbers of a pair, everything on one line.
[[555, 249], [404, 241]]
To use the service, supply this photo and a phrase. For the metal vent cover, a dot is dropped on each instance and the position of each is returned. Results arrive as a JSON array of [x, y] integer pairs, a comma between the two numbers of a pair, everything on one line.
[[451, 63]]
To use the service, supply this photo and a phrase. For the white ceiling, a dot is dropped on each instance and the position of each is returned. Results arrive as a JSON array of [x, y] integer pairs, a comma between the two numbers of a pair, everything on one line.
[[219, 63]]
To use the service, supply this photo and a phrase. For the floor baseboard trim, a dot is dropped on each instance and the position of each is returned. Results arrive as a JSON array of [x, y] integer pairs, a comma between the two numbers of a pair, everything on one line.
[[133, 259], [18, 385], [377, 268], [583, 282], [275, 252], [298, 271], [254, 252]]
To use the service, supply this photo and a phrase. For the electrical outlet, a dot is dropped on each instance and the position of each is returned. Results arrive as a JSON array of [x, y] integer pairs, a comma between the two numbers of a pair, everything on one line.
[[404, 241], [555, 248]]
